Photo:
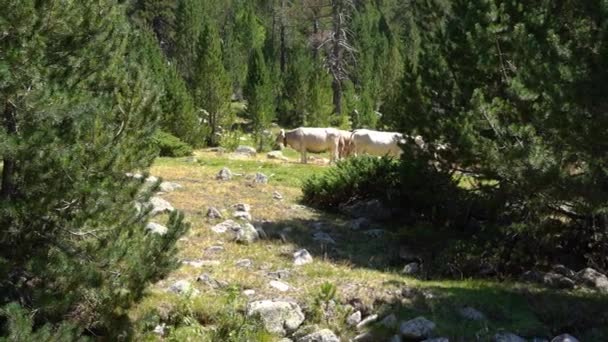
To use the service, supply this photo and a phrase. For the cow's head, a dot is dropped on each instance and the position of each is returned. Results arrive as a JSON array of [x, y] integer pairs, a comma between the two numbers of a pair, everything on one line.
[[281, 139]]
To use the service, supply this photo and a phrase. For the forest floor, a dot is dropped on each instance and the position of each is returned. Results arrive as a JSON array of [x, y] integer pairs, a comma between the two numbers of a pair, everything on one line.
[[364, 267]]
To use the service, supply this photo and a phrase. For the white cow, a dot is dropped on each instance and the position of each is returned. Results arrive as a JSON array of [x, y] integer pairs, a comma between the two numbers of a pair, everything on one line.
[[376, 143], [345, 148], [311, 139]]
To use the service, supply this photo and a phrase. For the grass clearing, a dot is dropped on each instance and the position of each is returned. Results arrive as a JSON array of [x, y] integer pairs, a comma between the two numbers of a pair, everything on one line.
[[365, 270]]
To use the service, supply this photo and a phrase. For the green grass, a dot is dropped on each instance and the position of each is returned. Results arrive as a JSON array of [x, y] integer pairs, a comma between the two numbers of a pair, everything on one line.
[[361, 268]]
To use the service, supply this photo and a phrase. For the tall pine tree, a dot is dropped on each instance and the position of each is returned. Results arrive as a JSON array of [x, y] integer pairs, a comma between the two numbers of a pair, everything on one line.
[[259, 96]]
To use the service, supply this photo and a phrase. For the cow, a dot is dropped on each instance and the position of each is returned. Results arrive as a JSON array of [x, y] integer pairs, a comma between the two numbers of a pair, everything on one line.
[[311, 139], [345, 147], [366, 141]]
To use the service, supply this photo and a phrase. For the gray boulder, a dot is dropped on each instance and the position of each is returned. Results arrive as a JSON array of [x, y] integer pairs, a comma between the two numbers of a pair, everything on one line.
[[323, 238], [389, 321], [224, 175], [593, 278], [169, 186], [242, 215], [411, 269], [564, 338], [367, 321], [472, 314], [245, 263], [246, 150], [507, 337], [242, 207], [210, 281], [302, 257], [160, 206], [563, 270], [354, 318], [550, 279], [213, 213], [417, 328], [279, 285], [278, 317], [228, 225], [183, 287], [156, 228], [246, 234], [324, 335], [276, 155], [260, 178], [214, 249]]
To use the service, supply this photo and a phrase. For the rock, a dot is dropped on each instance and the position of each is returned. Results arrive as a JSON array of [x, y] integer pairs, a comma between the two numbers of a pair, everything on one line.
[[160, 206], [156, 228], [395, 338], [191, 160], [437, 339], [249, 292], [354, 319], [214, 249], [279, 274], [225, 226], [276, 155], [375, 233], [224, 175], [201, 263], [411, 268], [360, 223], [302, 257], [242, 215], [563, 270], [373, 210], [278, 317], [285, 339], [417, 328], [324, 335], [213, 213], [408, 255], [260, 178], [593, 278], [181, 287], [277, 196], [245, 263], [169, 186], [323, 238], [365, 337], [261, 232], [151, 179], [564, 338], [242, 207], [389, 321], [279, 285], [160, 329], [209, 281], [472, 314], [246, 150], [550, 279], [367, 321], [507, 337], [246, 234]]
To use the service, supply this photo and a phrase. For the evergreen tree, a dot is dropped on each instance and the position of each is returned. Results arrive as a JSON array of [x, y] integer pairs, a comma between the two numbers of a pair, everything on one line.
[[212, 87], [259, 96], [79, 108], [189, 17]]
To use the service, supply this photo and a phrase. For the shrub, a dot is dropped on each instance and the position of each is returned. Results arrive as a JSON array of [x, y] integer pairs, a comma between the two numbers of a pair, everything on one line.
[[170, 146]]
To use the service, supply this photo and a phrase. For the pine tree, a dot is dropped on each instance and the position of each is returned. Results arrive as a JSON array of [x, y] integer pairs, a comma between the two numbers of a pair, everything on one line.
[[259, 96], [189, 23], [212, 87], [79, 109]]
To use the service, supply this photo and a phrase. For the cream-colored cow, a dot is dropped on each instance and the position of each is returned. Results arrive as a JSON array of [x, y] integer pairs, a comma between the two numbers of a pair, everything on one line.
[[311, 139]]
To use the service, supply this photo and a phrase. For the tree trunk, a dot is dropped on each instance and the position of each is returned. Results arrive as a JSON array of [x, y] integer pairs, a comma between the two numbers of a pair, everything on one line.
[[283, 57], [8, 187], [336, 62]]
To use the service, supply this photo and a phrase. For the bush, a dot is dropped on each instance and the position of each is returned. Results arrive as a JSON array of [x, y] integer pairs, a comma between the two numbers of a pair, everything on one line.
[[171, 146]]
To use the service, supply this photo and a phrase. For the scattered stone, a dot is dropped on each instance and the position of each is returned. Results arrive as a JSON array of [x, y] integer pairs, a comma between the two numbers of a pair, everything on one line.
[[249, 292], [246, 150], [160, 206], [550, 279], [564, 338], [472, 314], [181, 287], [160, 329], [279, 285], [396, 338], [324, 335], [245, 263], [279, 274], [593, 278], [260, 178], [276, 155], [242, 215], [437, 339], [224, 175], [261, 232], [411, 268], [242, 207], [169, 186], [201, 263], [156, 228], [278, 317], [277, 196], [354, 319], [246, 234], [285, 339], [215, 249], [563, 270], [302, 257], [151, 179], [375, 233], [360, 223], [213, 213], [134, 175], [417, 328], [191, 160], [389, 321], [324, 238], [225, 226], [507, 337], [209, 281], [365, 337], [367, 321]]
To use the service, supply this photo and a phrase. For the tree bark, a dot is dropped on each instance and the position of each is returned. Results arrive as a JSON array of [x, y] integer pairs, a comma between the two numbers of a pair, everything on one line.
[[283, 57], [7, 189], [336, 62]]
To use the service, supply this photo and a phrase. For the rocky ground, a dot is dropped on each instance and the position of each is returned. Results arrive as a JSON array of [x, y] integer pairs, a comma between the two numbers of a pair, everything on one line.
[[312, 276]]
